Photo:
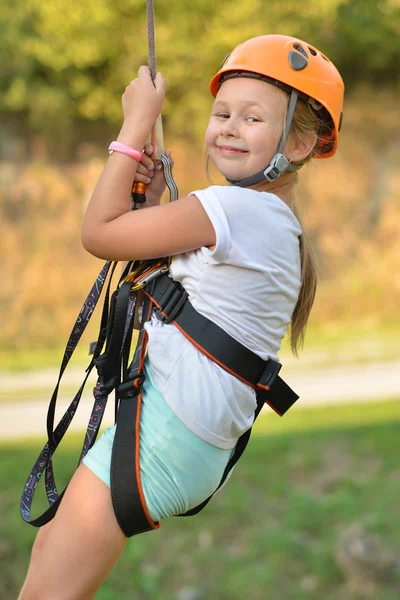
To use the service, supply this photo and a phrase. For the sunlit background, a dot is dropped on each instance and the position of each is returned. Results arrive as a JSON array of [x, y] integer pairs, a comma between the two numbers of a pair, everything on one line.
[[312, 510]]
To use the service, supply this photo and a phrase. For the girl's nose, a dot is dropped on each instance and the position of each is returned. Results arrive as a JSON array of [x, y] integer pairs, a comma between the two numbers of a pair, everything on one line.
[[229, 128]]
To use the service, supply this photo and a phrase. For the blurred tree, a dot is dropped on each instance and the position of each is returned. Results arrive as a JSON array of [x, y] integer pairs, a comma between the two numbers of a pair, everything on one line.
[[65, 64], [367, 41]]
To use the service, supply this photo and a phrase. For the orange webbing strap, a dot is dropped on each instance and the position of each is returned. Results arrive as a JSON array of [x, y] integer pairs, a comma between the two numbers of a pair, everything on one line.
[[126, 487]]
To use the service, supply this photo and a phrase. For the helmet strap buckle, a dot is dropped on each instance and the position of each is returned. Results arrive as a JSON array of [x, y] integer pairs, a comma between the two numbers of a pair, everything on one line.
[[278, 165]]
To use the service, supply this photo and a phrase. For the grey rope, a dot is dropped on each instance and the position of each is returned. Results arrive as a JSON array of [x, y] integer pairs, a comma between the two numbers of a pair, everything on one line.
[[151, 42]]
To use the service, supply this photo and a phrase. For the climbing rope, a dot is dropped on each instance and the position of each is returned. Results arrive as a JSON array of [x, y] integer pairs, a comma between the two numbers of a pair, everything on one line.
[[156, 135], [151, 42]]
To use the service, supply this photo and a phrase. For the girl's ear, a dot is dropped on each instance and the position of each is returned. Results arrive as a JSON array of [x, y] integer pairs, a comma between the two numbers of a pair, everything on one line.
[[298, 149]]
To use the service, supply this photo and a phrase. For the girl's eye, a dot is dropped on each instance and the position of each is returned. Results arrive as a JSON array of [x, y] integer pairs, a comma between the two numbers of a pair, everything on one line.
[[252, 120], [222, 115]]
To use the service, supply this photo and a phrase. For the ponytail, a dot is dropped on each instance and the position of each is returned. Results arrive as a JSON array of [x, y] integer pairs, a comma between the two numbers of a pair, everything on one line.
[[306, 118], [307, 292]]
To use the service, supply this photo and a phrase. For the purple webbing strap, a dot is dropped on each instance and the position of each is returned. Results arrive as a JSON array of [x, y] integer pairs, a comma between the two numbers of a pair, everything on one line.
[[44, 461]]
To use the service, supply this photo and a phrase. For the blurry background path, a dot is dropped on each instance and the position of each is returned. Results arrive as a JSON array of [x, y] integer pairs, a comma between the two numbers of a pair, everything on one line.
[[23, 417]]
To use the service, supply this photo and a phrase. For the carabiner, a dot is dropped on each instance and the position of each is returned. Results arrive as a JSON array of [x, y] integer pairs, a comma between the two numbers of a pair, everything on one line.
[[133, 274], [147, 277]]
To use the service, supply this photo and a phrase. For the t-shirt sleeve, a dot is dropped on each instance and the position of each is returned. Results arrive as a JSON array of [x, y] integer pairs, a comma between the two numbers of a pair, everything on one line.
[[215, 211]]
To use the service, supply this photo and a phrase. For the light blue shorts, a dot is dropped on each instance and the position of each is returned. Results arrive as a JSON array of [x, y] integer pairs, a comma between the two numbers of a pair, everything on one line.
[[178, 469]]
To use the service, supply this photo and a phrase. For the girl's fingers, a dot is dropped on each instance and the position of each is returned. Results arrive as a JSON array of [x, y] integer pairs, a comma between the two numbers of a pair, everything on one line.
[[143, 174], [146, 162], [139, 177], [144, 72], [159, 83], [148, 165], [143, 170]]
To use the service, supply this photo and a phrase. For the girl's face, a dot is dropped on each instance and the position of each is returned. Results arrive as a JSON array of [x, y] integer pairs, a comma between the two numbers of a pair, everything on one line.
[[245, 126]]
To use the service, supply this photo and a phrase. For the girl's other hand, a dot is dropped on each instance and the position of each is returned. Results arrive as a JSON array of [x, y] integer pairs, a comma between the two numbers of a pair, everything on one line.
[[150, 172], [143, 100]]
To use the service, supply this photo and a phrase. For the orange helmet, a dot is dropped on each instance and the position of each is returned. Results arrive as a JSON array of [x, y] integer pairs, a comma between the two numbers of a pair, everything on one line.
[[290, 64]]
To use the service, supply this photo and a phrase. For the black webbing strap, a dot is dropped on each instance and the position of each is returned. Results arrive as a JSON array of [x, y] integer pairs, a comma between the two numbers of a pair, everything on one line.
[[174, 307], [126, 489], [108, 364], [127, 498]]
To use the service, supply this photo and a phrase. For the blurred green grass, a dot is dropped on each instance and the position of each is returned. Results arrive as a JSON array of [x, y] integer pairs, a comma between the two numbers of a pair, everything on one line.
[[272, 532]]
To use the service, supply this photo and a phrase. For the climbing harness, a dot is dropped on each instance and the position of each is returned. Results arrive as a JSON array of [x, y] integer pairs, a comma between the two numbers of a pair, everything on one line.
[[116, 372], [170, 302]]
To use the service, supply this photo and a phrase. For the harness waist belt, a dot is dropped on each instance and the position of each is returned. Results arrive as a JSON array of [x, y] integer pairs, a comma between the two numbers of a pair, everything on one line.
[[174, 307]]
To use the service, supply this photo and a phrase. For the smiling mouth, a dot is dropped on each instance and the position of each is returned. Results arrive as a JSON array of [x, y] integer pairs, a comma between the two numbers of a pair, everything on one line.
[[231, 150]]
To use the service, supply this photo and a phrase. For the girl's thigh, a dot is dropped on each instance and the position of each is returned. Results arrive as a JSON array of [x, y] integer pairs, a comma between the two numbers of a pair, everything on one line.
[[77, 551]]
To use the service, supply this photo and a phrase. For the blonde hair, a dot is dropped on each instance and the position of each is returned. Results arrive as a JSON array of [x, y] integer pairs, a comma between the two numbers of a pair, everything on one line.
[[306, 119]]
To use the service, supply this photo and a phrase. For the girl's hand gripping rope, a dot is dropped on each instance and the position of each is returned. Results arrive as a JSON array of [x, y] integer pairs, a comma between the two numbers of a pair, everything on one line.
[[142, 102], [151, 173], [146, 97]]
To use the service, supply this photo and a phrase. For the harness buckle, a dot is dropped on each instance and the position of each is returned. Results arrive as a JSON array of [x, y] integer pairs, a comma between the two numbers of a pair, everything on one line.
[[130, 388], [173, 305]]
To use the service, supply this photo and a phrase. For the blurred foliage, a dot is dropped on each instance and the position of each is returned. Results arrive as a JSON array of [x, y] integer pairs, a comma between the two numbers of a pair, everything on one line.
[[65, 64]]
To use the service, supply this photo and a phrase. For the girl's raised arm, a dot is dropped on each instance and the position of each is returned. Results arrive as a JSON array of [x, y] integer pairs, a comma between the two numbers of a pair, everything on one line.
[[154, 232], [110, 230]]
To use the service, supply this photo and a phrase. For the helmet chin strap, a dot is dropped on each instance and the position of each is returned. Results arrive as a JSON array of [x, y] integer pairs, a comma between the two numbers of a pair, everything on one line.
[[279, 163]]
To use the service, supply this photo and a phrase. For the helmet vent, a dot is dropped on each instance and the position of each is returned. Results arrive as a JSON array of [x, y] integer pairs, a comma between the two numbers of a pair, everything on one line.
[[297, 61], [325, 58], [300, 49], [312, 51]]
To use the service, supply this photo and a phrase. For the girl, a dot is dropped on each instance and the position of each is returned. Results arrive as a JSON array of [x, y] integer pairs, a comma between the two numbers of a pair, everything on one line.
[[239, 252]]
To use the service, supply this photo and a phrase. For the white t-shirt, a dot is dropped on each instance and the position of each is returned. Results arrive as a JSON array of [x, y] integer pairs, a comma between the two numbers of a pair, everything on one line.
[[248, 285]]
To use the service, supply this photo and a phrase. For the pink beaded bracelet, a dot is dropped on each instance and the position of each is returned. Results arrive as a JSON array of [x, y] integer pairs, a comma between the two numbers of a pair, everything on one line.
[[123, 149]]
